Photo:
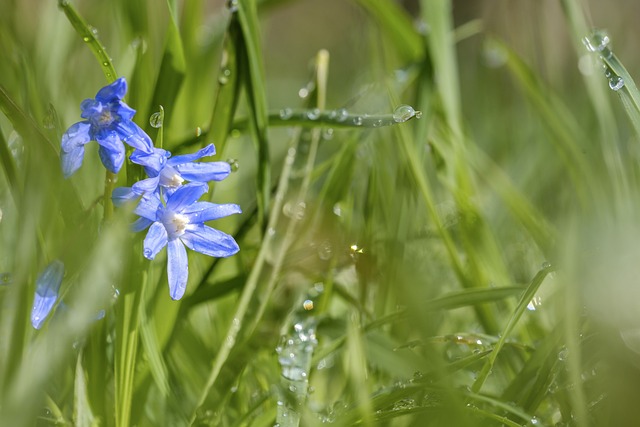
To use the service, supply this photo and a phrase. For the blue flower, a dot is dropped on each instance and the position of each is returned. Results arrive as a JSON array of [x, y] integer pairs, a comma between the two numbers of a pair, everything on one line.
[[47, 287], [170, 173], [108, 122], [180, 223]]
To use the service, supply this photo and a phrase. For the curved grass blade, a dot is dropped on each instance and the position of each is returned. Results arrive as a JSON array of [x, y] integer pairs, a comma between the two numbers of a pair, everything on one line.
[[513, 320]]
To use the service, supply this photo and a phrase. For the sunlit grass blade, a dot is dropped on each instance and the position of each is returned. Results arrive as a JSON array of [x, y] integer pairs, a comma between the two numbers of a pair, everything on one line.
[[513, 320]]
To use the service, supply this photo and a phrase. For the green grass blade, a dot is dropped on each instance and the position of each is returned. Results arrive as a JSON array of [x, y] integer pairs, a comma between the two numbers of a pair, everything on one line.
[[256, 92], [89, 36], [513, 320], [172, 69], [397, 25], [232, 70]]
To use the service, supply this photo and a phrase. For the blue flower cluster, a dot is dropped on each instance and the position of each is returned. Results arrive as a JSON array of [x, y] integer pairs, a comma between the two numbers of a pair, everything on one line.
[[169, 198]]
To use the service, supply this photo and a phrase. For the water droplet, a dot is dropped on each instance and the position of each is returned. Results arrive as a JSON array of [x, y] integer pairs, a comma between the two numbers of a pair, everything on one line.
[[403, 113], [198, 131], [313, 114], [292, 388], [93, 30], [563, 354], [327, 134], [234, 164], [223, 78], [286, 113], [534, 421], [357, 121], [156, 120], [342, 114], [418, 114], [232, 5], [325, 250], [307, 305], [139, 43], [50, 118], [86, 39], [105, 64], [271, 231], [597, 42], [404, 404], [147, 253], [616, 83], [303, 92], [377, 123]]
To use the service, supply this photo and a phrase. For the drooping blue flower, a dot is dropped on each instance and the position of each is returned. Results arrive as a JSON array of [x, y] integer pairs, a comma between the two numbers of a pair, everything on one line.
[[108, 122], [47, 288], [170, 173], [180, 223]]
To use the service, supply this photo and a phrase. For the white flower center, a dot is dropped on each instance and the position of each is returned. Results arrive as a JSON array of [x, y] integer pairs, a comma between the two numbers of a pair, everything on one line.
[[105, 118], [174, 223], [169, 177]]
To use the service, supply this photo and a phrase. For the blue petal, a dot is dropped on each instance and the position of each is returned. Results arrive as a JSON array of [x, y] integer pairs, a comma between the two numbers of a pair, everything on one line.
[[133, 135], [200, 212], [76, 136], [152, 162], [155, 240], [47, 287], [209, 150], [148, 185], [140, 224], [177, 268], [123, 111], [108, 138], [210, 241], [91, 108], [71, 161], [186, 195], [113, 92], [205, 171], [123, 195], [148, 207], [112, 159]]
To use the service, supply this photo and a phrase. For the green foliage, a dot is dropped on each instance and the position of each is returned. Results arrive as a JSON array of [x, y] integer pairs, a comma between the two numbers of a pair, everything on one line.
[[473, 263]]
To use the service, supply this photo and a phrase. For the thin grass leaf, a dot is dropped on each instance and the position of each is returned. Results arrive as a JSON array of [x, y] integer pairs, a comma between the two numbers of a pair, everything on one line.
[[256, 92], [232, 70], [89, 36], [513, 320], [82, 414], [398, 27], [172, 68]]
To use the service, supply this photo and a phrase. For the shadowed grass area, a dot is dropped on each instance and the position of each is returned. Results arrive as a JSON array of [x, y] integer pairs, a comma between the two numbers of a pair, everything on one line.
[[439, 215]]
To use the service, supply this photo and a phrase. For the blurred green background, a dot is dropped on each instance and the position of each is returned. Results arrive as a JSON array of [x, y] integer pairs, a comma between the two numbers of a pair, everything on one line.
[[476, 265]]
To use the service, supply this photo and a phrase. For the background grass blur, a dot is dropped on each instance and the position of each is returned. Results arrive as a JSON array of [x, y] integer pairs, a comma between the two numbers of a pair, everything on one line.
[[478, 265]]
